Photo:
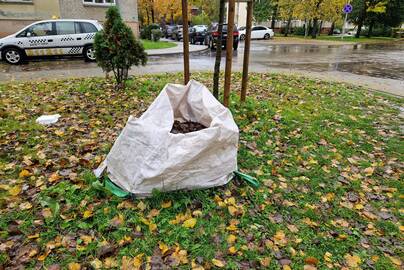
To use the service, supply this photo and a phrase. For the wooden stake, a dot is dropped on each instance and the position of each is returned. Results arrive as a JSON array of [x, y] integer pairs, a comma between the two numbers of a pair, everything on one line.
[[229, 53], [247, 43], [185, 39]]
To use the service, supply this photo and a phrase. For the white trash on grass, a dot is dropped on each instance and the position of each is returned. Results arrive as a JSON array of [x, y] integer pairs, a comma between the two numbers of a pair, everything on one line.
[[47, 119], [147, 156]]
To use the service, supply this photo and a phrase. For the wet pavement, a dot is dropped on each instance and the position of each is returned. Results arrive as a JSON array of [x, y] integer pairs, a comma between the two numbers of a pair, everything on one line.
[[378, 66]]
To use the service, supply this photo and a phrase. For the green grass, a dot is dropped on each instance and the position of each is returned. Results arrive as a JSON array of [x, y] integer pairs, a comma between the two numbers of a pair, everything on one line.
[[353, 39], [151, 45], [328, 157]]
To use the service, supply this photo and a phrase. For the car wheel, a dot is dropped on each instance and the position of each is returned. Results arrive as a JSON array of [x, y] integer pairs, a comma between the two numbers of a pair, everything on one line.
[[89, 53], [242, 37], [267, 36], [13, 56]]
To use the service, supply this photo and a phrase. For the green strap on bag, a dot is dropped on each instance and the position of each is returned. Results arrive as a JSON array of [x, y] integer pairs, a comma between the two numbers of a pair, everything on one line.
[[119, 192], [248, 178]]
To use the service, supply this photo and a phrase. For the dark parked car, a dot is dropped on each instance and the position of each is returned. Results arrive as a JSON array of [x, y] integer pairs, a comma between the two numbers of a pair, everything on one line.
[[213, 35], [197, 34], [177, 33], [168, 31]]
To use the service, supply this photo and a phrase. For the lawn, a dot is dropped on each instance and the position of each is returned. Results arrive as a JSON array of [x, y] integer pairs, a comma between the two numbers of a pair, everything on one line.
[[328, 156], [353, 39], [151, 45]]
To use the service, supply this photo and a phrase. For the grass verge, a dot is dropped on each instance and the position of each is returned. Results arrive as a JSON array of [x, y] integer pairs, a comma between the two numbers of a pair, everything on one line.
[[328, 156], [152, 45]]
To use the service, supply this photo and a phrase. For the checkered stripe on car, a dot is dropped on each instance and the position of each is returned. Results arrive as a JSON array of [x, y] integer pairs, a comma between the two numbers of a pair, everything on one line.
[[89, 36], [66, 39], [75, 50], [37, 41]]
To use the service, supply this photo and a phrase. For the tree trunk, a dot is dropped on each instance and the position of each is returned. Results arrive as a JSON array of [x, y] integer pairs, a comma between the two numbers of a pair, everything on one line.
[[152, 12], [331, 29], [288, 26], [321, 27], [148, 17], [362, 17], [369, 34], [274, 17], [306, 30], [216, 72], [314, 29]]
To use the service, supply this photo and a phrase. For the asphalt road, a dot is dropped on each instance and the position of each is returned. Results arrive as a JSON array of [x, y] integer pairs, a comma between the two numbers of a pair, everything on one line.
[[376, 66]]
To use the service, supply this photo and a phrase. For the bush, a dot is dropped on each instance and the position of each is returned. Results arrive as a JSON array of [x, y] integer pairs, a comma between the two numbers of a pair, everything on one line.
[[299, 31], [116, 48], [201, 19], [146, 32], [156, 34]]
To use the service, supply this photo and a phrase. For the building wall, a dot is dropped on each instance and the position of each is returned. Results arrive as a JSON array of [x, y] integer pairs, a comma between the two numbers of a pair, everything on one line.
[[14, 16], [75, 9]]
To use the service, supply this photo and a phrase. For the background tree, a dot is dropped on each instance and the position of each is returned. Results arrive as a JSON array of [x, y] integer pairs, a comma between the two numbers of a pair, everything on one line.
[[216, 72], [116, 48], [262, 10], [287, 10]]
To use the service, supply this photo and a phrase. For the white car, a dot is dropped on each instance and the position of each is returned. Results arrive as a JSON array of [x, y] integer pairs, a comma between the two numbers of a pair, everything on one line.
[[257, 32], [51, 38]]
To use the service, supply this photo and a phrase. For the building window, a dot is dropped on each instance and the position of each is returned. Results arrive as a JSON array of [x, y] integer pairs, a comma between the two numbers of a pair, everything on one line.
[[98, 2]]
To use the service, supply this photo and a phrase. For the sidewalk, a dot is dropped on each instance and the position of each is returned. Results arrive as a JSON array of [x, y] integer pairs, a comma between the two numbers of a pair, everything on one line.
[[175, 50]]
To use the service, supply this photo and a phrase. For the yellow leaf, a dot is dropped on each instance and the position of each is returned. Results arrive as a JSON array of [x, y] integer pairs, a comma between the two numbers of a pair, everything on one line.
[[265, 261], [218, 263], [96, 264], [152, 227], [25, 206], [60, 133], [164, 248], [33, 236], [189, 223], [87, 239], [74, 266], [166, 204], [87, 214], [14, 191], [141, 206], [54, 177], [232, 210], [231, 239], [359, 206], [24, 173], [352, 260], [43, 256], [369, 171], [232, 250], [137, 261], [286, 267], [395, 260]]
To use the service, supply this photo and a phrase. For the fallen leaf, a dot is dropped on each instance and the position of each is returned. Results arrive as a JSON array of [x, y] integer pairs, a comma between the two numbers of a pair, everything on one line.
[[87, 214], [166, 204], [311, 260], [73, 266], [232, 250], [14, 191], [25, 206], [189, 223], [265, 261], [231, 239], [24, 173], [218, 263], [352, 260]]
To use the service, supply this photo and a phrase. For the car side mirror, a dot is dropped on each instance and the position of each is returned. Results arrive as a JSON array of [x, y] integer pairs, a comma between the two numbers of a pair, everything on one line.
[[28, 34]]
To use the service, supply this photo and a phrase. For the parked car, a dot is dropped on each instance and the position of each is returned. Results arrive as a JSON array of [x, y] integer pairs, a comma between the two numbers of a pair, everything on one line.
[[212, 36], [177, 33], [51, 38], [258, 32], [197, 34], [336, 32], [168, 31]]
